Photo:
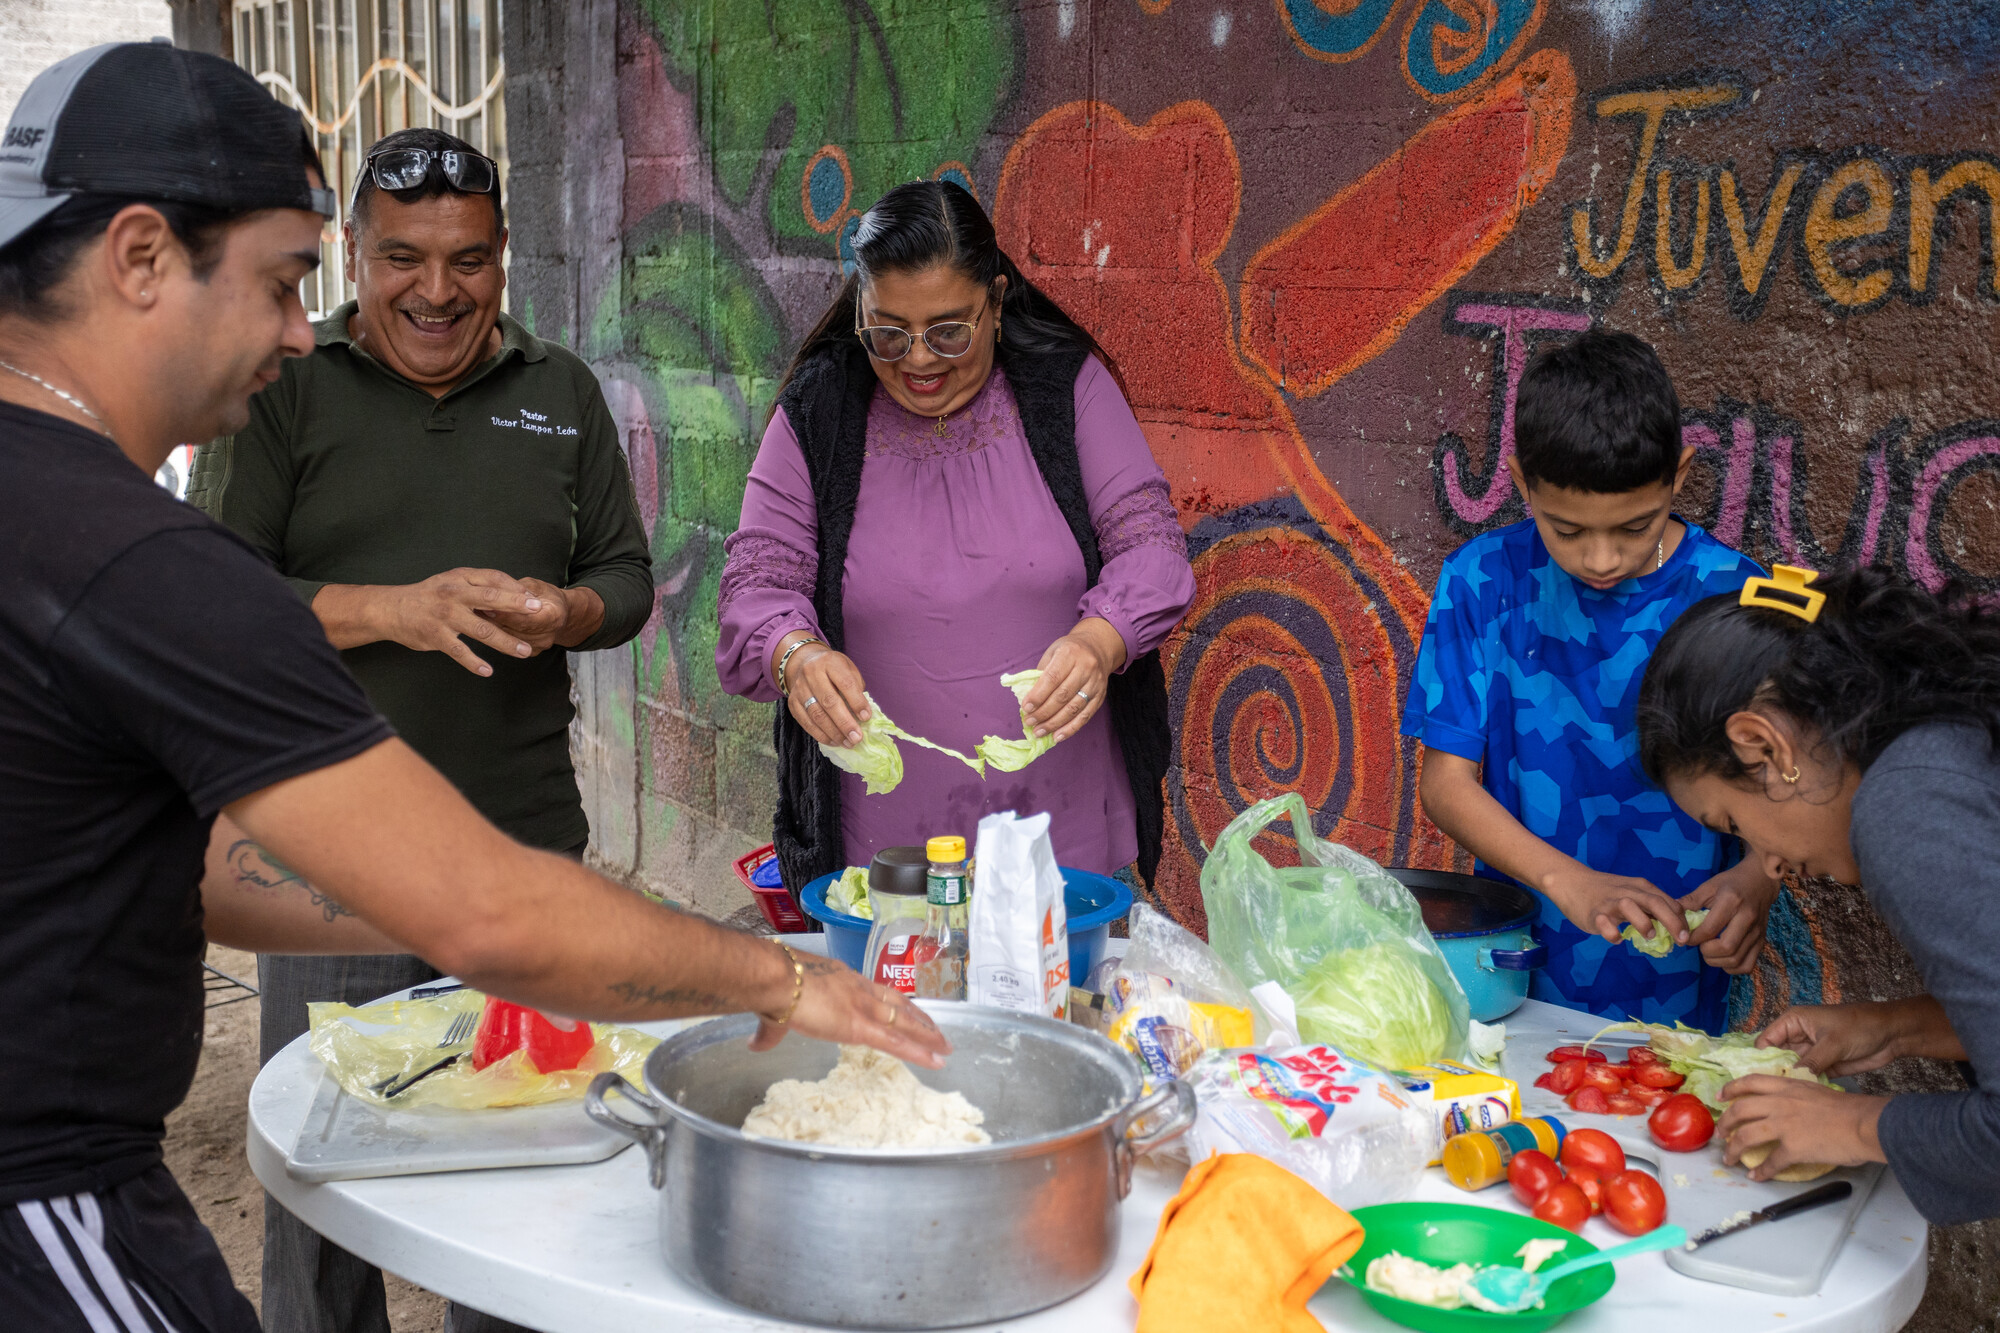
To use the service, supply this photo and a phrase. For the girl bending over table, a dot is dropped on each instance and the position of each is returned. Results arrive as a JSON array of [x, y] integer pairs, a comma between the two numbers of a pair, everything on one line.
[[1850, 726]]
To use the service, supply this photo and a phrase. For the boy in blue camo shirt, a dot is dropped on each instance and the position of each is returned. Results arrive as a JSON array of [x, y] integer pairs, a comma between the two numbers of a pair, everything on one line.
[[1523, 695]]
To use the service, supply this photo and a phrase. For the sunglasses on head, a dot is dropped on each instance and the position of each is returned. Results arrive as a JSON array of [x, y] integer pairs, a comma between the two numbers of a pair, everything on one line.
[[396, 169]]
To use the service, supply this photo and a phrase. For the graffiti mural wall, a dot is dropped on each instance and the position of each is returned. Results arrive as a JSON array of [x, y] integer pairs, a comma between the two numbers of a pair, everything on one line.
[[1322, 238]]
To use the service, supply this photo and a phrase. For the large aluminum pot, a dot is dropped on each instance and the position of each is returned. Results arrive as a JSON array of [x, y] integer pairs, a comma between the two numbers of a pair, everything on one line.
[[878, 1238]]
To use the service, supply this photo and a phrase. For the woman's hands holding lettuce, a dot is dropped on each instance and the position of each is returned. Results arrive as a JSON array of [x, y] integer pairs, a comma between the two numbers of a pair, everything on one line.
[[1076, 669], [831, 683]]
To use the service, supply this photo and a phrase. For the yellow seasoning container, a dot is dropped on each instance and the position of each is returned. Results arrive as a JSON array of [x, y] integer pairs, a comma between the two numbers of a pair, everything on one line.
[[1478, 1159]]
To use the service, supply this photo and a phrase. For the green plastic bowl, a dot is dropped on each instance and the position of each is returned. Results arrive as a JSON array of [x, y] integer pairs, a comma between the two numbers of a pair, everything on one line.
[[1466, 1233]]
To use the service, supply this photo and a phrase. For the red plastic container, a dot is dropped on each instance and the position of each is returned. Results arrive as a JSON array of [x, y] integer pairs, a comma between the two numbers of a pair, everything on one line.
[[776, 903]]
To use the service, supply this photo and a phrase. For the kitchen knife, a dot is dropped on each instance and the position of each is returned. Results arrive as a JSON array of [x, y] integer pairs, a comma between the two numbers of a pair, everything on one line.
[[1798, 1203]]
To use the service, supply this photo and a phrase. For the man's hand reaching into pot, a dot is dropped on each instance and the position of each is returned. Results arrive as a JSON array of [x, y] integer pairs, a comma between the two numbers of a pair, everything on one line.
[[837, 1005]]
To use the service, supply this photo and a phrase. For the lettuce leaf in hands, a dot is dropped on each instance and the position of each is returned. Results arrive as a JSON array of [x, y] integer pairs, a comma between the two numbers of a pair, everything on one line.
[[1659, 944], [875, 758], [1011, 756]]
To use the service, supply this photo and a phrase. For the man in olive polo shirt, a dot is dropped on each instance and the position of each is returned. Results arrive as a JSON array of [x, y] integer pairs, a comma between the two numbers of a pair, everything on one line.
[[446, 491]]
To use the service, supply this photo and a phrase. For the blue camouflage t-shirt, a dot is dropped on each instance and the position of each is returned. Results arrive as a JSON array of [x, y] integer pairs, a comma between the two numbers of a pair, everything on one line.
[[1534, 675]]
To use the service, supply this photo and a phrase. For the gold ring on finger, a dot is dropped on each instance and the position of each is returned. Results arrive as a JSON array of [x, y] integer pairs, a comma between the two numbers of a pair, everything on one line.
[[890, 1021]]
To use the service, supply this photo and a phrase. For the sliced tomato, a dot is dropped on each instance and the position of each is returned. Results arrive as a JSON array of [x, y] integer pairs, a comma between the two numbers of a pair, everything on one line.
[[1624, 1103], [1646, 1096], [1658, 1076], [1547, 1080], [1589, 1100], [1567, 1077], [1562, 1053], [1644, 1055], [1602, 1076]]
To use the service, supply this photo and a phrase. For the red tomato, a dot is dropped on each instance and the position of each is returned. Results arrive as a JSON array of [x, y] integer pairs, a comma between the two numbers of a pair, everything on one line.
[[1562, 1053], [1589, 1100], [1531, 1174], [1645, 1096], [1657, 1076], [1643, 1055], [1566, 1205], [1602, 1076], [1681, 1123], [1547, 1080], [1591, 1182], [1633, 1202], [1592, 1148], [1566, 1077], [1623, 1103]]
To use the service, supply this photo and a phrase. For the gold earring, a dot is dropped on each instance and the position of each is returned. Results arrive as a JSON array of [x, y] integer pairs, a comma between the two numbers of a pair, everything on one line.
[[1791, 777]]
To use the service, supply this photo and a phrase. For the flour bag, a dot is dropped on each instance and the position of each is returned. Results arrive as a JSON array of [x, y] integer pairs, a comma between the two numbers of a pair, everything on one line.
[[1018, 936]]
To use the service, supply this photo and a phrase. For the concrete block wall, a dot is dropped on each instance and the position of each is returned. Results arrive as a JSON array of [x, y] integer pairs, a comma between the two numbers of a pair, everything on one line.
[[34, 34]]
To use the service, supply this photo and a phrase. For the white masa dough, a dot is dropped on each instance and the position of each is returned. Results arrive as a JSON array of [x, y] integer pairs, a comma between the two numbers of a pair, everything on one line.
[[870, 1100]]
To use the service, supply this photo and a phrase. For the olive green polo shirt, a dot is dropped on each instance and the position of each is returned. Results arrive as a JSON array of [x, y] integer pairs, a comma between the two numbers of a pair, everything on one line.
[[349, 473]]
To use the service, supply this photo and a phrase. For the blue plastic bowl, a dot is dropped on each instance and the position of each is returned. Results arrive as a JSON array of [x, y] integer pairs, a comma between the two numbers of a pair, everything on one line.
[[1092, 901]]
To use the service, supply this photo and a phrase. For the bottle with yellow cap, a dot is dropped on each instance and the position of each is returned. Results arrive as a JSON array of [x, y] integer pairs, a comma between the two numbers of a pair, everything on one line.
[[940, 951], [1474, 1160]]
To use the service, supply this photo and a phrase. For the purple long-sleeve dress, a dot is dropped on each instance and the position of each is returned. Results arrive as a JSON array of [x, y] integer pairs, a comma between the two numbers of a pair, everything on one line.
[[960, 568]]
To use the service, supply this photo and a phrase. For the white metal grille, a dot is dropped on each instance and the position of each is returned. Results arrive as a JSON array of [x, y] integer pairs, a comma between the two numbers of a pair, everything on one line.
[[360, 69]]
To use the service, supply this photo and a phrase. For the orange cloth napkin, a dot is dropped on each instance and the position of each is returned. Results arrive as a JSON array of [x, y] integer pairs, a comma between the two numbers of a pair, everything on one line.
[[1241, 1249]]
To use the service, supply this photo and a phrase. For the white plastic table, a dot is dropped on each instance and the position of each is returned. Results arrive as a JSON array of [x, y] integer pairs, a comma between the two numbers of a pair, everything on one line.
[[575, 1249]]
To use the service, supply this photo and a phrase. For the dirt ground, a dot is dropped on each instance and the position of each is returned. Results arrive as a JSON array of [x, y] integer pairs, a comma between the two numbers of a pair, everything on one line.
[[205, 1151]]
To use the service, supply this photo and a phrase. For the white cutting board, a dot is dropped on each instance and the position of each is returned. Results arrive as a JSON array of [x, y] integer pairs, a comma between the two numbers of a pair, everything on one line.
[[346, 1138], [1789, 1257]]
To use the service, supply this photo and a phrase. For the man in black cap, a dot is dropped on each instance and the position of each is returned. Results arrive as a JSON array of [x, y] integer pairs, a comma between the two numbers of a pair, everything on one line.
[[157, 211], [429, 469]]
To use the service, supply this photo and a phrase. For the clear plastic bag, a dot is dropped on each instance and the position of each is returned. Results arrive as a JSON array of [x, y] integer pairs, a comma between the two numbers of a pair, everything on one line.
[[1346, 1128], [1341, 936], [1171, 999], [363, 1046]]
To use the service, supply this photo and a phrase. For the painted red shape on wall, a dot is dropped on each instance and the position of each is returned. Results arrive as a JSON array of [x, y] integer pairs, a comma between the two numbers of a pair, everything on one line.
[[1339, 287]]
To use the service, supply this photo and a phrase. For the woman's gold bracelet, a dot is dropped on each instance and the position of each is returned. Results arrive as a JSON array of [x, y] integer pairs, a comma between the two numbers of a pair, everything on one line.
[[786, 656], [798, 986]]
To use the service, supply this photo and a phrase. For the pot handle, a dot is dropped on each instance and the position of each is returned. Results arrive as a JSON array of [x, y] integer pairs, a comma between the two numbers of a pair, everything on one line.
[[1135, 1140], [1514, 960], [651, 1136]]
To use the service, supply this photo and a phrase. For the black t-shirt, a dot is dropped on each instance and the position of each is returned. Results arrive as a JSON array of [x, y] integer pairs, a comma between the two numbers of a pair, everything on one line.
[[153, 668]]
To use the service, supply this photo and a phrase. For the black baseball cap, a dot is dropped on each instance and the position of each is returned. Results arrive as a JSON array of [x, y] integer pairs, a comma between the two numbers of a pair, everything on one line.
[[149, 121]]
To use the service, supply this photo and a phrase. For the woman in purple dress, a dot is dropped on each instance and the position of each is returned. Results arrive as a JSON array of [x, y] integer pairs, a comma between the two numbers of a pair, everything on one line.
[[953, 487]]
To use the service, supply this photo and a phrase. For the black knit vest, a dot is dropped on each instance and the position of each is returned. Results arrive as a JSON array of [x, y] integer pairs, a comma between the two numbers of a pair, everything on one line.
[[827, 406]]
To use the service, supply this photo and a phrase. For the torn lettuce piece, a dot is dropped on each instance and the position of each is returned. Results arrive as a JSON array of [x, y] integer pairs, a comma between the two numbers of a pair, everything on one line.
[[875, 758], [1007, 755], [849, 893], [1659, 944]]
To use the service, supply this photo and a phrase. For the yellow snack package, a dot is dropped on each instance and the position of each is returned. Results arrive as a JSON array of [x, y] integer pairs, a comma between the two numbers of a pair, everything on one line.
[[1460, 1099]]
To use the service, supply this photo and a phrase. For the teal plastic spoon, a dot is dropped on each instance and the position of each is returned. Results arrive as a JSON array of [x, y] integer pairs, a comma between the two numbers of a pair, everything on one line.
[[1512, 1290]]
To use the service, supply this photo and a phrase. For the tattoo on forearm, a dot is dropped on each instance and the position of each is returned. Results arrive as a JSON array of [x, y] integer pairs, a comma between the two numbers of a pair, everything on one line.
[[637, 992], [254, 865]]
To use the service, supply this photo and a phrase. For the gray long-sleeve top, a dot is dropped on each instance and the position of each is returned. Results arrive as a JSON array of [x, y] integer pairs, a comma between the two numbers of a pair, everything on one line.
[[1926, 832]]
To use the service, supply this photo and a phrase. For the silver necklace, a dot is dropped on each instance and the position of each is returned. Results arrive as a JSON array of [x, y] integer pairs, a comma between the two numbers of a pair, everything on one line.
[[67, 397], [1660, 554]]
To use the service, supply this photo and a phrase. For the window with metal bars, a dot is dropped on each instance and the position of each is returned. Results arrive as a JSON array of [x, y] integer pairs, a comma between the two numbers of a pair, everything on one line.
[[360, 69]]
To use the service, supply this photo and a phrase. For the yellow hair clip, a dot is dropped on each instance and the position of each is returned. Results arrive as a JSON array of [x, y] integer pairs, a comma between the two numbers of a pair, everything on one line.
[[1786, 590]]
